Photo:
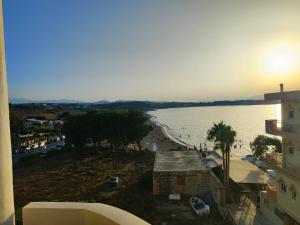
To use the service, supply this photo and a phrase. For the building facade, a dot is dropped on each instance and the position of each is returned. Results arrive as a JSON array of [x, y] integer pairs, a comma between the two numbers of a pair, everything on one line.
[[284, 198], [179, 172]]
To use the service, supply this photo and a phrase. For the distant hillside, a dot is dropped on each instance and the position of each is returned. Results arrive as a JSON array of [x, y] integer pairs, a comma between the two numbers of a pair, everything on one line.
[[50, 101], [148, 105], [55, 109]]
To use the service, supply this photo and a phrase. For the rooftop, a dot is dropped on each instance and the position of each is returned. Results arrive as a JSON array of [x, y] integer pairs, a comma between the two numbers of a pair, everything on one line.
[[286, 95], [182, 161], [242, 171]]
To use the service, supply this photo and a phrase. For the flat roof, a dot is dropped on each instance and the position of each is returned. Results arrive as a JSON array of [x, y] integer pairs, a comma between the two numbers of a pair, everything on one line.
[[286, 95], [242, 171], [25, 135], [179, 161]]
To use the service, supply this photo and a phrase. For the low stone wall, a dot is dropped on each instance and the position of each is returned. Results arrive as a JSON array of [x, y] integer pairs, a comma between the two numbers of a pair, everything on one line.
[[217, 189], [185, 183]]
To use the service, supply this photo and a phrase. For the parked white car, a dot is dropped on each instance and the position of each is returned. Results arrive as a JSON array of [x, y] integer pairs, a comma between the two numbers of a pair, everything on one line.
[[42, 144], [199, 206], [35, 146]]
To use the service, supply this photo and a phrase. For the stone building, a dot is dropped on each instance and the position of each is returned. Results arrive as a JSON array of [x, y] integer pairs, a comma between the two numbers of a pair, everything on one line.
[[181, 172]]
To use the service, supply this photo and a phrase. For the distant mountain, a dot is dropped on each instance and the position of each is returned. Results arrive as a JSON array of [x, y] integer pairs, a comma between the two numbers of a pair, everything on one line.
[[148, 105], [141, 105], [50, 101], [101, 102]]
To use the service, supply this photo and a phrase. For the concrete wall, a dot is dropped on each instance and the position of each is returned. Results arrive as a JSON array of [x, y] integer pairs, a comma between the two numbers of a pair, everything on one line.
[[291, 160], [285, 201], [217, 189], [286, 106], [267, 208], [64, 213], [6, 181], [196, 183]]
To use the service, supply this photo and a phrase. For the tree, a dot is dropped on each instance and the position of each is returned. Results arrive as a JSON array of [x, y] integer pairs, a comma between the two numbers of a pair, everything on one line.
[[137, 128], [262, 144], [119, 128], [17, 127], [75, 130], [223, 137]]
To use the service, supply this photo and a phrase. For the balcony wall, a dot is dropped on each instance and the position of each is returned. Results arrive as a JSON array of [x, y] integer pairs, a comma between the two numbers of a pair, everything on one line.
[[271, 193], [284, 199], [277, 128], [64, 213], [272, 127], [290, 95]]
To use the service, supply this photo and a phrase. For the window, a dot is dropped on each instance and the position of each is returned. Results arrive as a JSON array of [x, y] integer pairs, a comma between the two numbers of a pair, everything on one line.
[[180, 180], [282, 187], [293, 192], [291, 150], [294, 195], [291, 114]]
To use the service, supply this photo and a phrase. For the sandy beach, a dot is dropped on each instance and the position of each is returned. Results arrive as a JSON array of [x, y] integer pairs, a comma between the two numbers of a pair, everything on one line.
[[162, 139]]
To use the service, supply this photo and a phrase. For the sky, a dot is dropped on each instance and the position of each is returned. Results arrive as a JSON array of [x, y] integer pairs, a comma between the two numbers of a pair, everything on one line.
[[166, 50]]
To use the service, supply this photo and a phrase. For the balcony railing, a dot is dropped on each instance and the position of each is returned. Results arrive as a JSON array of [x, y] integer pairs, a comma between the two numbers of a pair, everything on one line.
[[278, 128], [67, 213]]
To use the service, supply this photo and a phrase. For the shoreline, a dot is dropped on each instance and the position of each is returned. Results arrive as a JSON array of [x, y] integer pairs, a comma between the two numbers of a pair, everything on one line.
[[166, 135], [172, 138]]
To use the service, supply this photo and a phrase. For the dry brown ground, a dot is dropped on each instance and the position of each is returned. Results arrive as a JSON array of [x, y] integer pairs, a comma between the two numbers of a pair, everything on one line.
[[72, 177]]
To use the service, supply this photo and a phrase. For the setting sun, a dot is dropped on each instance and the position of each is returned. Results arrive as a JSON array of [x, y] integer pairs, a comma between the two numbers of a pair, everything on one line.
[[281, 59], [281, 62]]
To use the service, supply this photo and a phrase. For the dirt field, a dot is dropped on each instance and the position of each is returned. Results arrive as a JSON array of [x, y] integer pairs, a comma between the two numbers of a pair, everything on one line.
[[70, 176]]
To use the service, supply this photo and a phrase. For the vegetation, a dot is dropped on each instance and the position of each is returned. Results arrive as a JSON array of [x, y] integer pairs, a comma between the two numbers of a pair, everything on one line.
[[223, 137], [17, 126], [262, 144], [119, 128]]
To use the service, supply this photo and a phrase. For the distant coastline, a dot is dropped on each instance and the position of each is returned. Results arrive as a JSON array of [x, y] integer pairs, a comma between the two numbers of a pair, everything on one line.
[[146, 105]]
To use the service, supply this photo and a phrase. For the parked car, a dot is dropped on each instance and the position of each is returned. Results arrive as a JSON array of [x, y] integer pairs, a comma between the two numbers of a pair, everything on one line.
[[249, 158], [35, 146], [272, 173], [199, 206], [52, 148], [55, 139], [60, 147], [27, 149], [113, 182]]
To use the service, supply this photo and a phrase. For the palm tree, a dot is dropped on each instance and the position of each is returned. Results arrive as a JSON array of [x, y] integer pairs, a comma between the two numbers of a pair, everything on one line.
[[223, 137]]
